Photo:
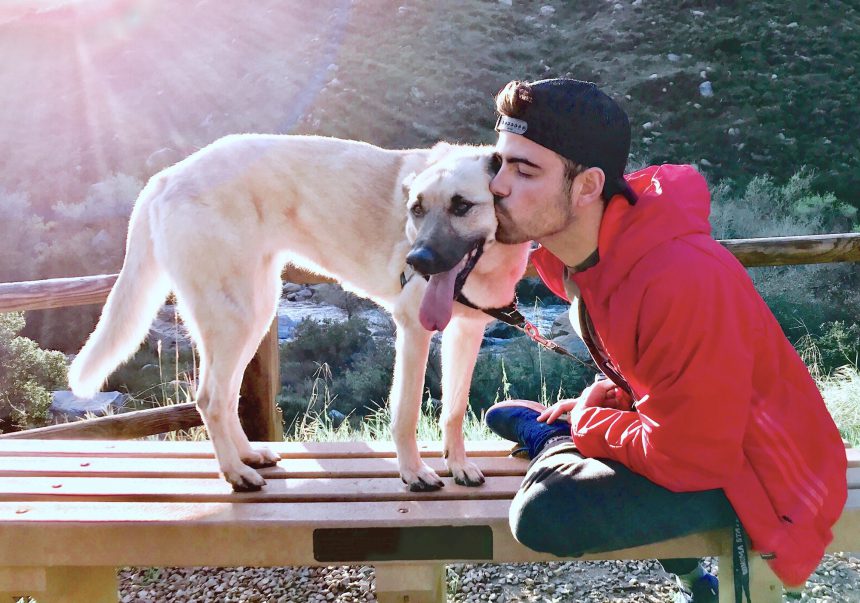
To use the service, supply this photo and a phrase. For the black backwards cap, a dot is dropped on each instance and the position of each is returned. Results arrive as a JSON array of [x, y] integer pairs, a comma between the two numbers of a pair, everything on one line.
[[579, 122]]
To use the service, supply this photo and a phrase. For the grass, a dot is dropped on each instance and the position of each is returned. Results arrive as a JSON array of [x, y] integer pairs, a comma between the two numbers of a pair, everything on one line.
[[316, 424], [841, 392]]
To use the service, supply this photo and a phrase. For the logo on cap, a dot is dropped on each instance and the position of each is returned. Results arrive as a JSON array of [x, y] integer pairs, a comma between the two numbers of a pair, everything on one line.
[[511, 124]]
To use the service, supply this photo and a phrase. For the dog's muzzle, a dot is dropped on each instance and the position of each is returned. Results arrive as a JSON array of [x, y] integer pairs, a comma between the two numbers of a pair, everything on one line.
[[427, 261]]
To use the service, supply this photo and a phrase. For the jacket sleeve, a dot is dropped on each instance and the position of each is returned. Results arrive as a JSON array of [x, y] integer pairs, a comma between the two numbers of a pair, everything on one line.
[[695, 364]]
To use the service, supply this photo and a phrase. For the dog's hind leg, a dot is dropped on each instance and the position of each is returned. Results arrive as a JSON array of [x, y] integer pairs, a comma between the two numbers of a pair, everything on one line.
[[461, 341], [412, 346], [227, 320], [267, 292]]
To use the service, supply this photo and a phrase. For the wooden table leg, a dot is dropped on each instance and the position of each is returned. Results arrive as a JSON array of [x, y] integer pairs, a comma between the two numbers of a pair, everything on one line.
[[765, 587], [80, 585], [411, 583]]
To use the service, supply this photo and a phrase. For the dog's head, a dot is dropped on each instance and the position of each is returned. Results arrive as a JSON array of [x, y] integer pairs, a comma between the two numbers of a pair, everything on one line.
[[451, 220]]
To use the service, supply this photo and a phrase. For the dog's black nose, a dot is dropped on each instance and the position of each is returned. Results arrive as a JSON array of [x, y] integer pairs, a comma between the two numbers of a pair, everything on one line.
[[424, 260]]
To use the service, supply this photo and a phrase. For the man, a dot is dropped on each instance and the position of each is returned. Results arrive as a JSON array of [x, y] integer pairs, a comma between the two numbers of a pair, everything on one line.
[[706, 414]]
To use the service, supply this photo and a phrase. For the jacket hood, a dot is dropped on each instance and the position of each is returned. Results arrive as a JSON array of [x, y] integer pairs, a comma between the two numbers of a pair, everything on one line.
[[673, 202]]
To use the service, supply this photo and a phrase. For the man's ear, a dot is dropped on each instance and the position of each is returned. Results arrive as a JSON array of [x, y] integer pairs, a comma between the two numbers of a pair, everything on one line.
[[588, 186], [407, 185]]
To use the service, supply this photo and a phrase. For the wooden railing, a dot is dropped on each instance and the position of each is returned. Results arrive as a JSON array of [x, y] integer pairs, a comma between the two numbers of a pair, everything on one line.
[[259, 413]]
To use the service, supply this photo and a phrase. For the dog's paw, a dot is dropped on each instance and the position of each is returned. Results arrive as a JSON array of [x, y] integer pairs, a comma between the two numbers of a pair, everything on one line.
[[261, 457], [466, 473], [245, 480], [424, 479]]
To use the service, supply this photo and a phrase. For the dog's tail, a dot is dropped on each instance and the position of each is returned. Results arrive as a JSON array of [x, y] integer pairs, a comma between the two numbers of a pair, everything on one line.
[[139, 291]]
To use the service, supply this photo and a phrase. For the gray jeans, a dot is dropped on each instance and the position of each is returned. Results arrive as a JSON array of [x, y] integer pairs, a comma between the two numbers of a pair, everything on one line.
[[569, 505]]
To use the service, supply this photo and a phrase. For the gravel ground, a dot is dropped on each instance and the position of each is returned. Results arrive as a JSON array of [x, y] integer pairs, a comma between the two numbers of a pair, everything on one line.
[[837, 580]]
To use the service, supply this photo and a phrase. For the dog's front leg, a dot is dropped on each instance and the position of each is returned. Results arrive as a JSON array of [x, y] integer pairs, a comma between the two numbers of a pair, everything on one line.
[[461, 341], [412, 347]]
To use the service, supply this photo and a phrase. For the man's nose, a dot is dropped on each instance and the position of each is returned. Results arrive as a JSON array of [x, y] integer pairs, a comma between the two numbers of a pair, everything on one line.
[[498, 186]]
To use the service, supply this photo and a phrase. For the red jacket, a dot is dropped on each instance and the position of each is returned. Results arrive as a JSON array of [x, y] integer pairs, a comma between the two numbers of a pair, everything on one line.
[[723, 399]]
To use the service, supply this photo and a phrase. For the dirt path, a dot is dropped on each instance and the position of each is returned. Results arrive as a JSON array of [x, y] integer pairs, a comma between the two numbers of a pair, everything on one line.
[[837, 580]]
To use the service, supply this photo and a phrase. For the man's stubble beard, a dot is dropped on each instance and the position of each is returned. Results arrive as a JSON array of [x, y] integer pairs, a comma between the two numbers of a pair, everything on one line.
[[561, 218]]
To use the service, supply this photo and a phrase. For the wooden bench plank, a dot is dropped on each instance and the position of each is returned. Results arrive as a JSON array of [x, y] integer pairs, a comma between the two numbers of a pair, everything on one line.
[[220, 534], [203, 449], [223, 534], [168, 467], [218, 490]]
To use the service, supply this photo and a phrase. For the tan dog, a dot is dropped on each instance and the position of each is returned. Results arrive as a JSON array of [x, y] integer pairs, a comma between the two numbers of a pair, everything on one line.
[[217, 228]]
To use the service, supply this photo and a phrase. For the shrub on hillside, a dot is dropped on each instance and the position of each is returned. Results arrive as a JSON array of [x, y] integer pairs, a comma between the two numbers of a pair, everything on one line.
[[83, 239], [528, 371], [837, 346], [803, 298], [335, 364], [341, 367], [20, 246], [28, 375]]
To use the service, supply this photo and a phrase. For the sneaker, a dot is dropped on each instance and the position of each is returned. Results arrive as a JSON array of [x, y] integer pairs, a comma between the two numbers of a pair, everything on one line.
[[705, 590], [516, 420]]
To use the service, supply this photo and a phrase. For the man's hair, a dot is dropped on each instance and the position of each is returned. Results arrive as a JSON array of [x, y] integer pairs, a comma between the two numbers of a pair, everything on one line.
[[574, 119], [512, 101]]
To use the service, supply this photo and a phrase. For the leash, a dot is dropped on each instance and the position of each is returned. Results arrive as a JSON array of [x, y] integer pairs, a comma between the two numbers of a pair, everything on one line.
[[511, 316]]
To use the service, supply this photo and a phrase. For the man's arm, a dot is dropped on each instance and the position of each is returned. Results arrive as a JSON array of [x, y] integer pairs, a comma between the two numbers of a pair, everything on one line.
[[695, 362]]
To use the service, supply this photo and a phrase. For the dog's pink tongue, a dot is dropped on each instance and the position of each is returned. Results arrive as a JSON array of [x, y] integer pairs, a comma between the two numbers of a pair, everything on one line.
[[438, 302]]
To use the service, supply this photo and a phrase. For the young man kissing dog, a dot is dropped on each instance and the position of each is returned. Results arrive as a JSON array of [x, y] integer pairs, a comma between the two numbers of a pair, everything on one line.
[[410, 229]]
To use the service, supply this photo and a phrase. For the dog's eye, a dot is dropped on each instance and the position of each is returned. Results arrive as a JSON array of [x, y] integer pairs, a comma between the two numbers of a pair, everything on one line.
[[417, 210], [459, 206]]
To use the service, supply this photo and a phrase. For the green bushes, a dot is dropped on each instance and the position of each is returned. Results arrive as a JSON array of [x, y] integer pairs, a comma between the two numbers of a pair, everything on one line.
[[341, 367], [527, 371], [72, 239], [353, 370], [27, 377], [804, 299]]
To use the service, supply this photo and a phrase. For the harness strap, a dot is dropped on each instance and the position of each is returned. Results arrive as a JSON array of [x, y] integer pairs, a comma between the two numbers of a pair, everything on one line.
[[507, 314], [511, 316]]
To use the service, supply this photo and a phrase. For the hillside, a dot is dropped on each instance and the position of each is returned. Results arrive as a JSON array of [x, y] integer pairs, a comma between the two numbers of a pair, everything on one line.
[[96, 87]]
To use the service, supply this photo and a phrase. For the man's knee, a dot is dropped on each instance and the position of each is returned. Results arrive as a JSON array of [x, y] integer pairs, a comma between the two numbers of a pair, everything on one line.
[[543, 517], [562, 507], [530, 524]]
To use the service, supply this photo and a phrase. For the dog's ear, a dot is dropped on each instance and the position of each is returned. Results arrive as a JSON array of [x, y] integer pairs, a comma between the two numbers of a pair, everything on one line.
[[407, 185], [438, 151]]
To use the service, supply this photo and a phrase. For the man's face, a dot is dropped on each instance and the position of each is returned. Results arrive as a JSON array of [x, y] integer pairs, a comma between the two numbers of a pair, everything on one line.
[[532, 196]]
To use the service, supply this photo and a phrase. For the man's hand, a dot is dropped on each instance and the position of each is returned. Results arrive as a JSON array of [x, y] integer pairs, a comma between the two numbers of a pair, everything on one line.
[[603, 393], [556, 410]]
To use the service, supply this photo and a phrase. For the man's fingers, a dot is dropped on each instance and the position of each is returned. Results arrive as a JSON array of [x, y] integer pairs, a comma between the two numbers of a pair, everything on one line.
[[549, 415]]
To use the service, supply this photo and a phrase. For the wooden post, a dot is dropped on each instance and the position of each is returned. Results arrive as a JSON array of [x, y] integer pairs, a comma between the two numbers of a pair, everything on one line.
[[260, 415], [726, 568], [765, 587], [408, 583]]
